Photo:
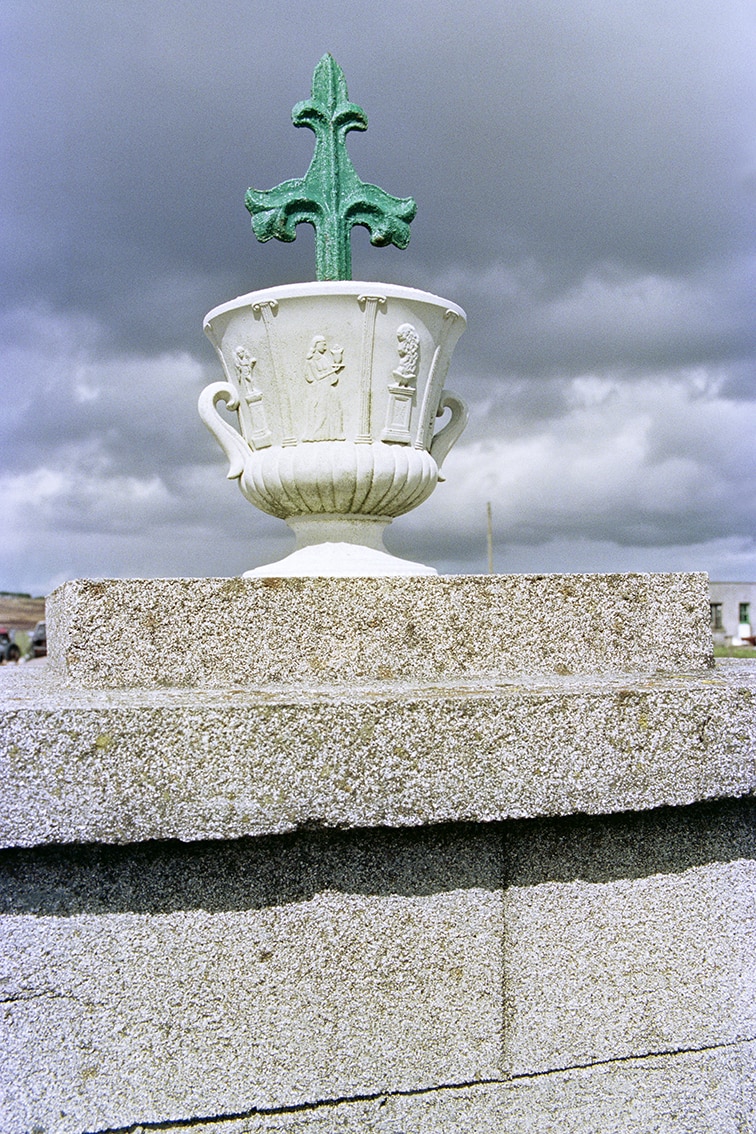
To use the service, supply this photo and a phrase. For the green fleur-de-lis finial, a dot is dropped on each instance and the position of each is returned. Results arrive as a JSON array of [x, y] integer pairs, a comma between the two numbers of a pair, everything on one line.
[[330, 196]]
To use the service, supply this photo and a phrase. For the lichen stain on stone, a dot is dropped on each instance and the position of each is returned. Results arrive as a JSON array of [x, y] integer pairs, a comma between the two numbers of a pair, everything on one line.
[[366, 730], [233, 587], [104, 741]]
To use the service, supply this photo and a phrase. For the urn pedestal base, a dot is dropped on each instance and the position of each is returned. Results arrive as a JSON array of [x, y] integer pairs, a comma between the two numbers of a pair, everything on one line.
[[339, 546]]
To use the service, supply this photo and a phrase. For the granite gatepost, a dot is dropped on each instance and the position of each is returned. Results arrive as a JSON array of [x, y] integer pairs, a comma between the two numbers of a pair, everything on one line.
[[402, 855]]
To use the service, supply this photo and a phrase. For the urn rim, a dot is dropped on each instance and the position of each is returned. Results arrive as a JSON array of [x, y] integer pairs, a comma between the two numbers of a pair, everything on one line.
[[314, 288]]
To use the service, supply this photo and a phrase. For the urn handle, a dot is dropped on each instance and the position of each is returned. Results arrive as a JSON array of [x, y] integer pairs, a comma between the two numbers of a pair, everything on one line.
[[231, 442], [446, 437]]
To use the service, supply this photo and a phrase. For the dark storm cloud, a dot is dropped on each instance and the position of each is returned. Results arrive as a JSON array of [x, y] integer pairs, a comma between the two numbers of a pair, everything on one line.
[[573, 134], [585, 179]]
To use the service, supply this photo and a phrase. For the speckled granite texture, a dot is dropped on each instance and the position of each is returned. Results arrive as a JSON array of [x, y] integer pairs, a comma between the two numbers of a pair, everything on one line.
[[706, 1092], [458, 856], [172, 983], [217, 633], [126, 765]]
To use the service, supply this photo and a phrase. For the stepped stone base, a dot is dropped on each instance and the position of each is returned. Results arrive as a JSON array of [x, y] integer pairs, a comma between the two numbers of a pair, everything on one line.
[[254, 633], [117, 766], [490, 897]]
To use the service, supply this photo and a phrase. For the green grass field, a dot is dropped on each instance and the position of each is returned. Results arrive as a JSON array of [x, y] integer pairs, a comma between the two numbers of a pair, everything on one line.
[[735, 651]]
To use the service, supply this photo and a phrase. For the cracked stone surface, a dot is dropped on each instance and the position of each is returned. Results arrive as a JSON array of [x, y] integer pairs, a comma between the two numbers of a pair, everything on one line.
[[695, 1092], [163, 983], [382, 855], [382, 970], [599, 971]]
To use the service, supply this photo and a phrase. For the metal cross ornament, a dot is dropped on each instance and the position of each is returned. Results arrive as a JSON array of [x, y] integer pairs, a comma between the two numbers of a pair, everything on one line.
[[330, 196]]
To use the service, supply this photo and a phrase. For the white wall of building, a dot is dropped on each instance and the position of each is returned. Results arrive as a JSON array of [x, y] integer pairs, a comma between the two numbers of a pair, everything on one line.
[[733, 611]]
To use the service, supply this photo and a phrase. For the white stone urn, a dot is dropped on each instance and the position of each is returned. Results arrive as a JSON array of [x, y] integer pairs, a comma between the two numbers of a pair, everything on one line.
[[336, 387]]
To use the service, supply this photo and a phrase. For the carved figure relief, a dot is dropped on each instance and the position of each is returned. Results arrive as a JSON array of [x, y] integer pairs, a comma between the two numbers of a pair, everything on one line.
[[408, 348], [243, 361], [325, 415], [252, 419], [402, 393]]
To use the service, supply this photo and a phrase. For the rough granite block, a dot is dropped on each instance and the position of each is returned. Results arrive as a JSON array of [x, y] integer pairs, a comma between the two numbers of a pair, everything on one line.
[[500, 906], [164, 983], [693, 1092], [628, 935], [217, 633], [119, 766], [610, 970], [322, 969]]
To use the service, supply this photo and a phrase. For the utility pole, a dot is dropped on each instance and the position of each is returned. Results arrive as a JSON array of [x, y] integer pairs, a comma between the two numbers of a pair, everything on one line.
[[489, 532]]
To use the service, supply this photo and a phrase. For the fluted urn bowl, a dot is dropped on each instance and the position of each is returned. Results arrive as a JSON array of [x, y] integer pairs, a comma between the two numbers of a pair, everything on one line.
[[336, 389]]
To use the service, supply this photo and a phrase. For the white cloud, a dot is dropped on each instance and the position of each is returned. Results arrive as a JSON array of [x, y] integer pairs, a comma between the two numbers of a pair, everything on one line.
[[651, 462]]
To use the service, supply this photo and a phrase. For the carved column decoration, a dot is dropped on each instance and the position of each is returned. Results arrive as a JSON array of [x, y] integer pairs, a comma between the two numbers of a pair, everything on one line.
[[266, 310], [369, 305]]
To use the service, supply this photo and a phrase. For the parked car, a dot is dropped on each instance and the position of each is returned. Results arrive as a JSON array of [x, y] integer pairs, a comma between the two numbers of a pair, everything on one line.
[[9, 651], [39, 640]]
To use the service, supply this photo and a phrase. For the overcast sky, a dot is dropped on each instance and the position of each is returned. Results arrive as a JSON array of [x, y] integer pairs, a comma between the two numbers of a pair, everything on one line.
[[585, 173]]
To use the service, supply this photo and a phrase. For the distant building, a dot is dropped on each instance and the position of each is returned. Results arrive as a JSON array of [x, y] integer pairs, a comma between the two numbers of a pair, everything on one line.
[[733, 611]]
